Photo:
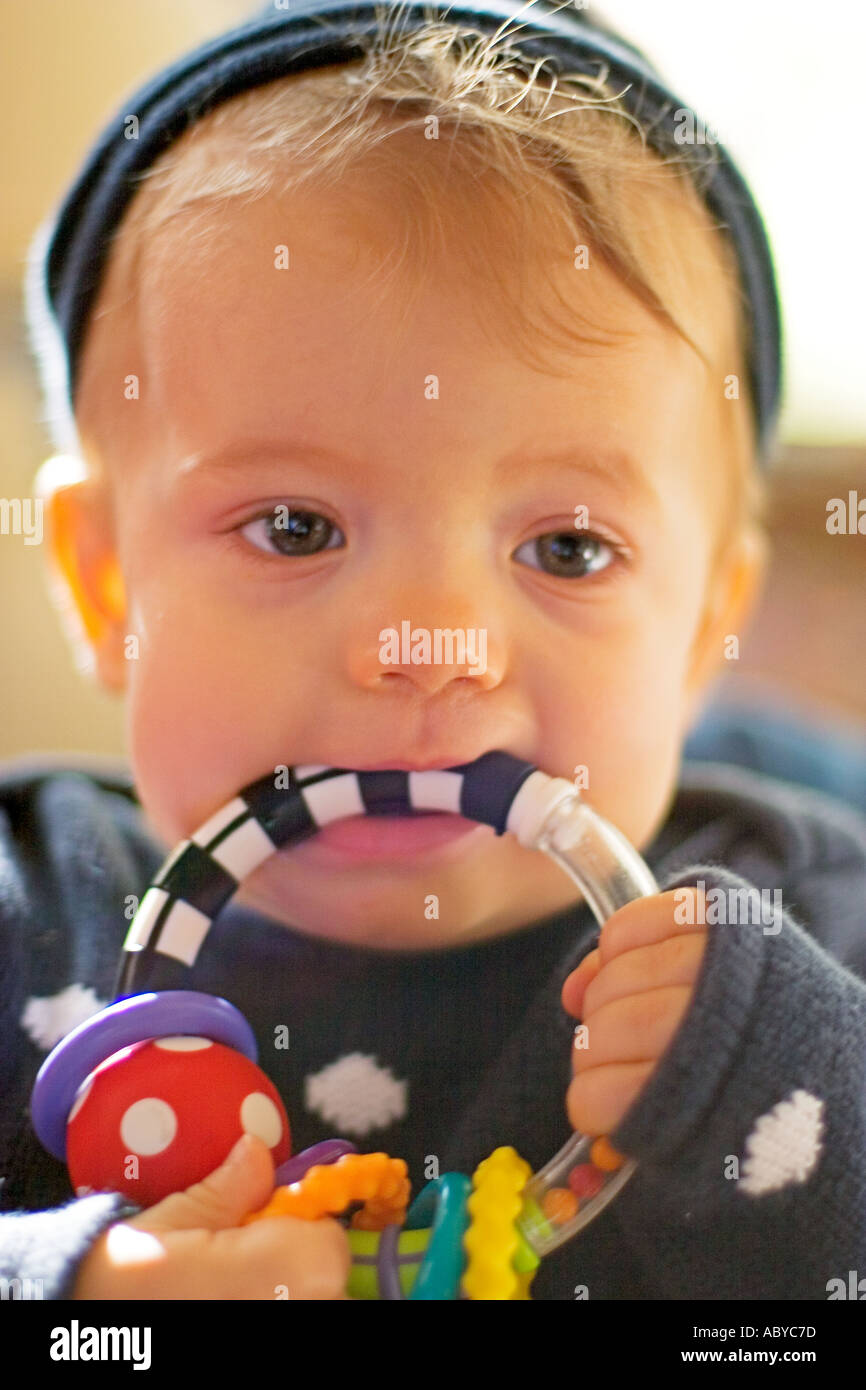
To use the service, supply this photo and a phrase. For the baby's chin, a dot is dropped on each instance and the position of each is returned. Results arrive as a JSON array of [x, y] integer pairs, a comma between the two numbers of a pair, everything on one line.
[[491, 888], [387, 922]]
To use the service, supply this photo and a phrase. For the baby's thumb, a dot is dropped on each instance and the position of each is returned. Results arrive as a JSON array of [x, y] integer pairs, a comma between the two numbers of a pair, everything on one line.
[[243, 1183]]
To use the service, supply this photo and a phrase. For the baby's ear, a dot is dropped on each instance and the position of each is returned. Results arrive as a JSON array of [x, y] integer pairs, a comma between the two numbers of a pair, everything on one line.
[[732, 597], [85, 580]]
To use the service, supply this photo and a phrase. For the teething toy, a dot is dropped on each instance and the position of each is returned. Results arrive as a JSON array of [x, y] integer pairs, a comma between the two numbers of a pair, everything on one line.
[[135, 1069], [146, 1122]]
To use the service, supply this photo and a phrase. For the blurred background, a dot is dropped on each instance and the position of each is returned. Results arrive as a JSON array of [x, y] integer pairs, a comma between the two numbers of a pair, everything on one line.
[[773, 79]]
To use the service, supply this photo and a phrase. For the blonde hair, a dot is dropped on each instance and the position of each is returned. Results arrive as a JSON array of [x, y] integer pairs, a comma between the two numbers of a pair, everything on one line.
[[565, 138]]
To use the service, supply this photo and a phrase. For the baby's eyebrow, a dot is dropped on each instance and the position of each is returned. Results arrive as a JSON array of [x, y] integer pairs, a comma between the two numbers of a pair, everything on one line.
[[272, 451], [616, 468]]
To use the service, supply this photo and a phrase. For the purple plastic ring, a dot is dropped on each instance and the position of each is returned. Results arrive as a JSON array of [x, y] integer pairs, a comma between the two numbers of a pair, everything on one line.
[[387, 1265], [327, 1151], [135, 1020]]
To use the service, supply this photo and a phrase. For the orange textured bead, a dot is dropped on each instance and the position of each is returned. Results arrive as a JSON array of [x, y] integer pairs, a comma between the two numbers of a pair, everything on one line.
[[327, 1189], [559, 1205], [605, 1156], [384, 1210]]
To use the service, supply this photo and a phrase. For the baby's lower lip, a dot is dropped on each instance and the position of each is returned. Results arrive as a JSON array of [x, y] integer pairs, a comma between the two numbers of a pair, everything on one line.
[[385, 837]]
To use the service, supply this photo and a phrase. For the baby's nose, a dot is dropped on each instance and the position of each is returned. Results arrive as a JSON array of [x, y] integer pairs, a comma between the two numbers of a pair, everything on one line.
[[429, 658]]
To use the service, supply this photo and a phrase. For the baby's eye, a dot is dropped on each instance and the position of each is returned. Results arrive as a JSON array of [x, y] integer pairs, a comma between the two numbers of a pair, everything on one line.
[[290, 531], [570, 554]]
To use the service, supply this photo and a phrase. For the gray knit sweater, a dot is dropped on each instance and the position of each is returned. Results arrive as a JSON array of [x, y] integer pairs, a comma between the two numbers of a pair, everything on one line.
[[750, 1135]]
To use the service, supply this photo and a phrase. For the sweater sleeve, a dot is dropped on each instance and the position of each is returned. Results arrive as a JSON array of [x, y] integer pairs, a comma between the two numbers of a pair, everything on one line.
[[750, 1135], [40, 1251], [69, 852]]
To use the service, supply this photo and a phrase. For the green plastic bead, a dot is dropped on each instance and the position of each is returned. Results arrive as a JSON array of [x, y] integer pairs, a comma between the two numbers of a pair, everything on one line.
[[363, 1281], [525, 1257], [532, 1219]]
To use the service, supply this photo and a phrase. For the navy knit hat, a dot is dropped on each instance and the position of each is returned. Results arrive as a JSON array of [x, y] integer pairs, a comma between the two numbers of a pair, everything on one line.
[[69, 254]]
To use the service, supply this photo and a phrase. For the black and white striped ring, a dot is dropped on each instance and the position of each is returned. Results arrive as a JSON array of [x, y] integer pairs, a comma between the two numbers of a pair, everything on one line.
[[291, 804]]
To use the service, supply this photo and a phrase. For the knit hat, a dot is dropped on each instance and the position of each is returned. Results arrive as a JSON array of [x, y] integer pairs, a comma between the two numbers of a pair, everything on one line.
[[69, 253]]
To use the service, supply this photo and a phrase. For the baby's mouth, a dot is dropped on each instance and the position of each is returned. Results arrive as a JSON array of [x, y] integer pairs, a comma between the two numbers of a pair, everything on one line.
[[402, 810], [369, 838]]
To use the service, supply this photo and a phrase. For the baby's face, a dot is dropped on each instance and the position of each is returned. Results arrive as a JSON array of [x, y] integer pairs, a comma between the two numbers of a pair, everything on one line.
[[440, 472]]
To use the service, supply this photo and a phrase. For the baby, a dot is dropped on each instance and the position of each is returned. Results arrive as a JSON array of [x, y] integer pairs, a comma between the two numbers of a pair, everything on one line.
[[379, 344]]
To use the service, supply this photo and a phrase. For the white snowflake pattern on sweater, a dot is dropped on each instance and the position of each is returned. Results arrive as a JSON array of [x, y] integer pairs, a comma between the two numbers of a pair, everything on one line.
[[356, 1095]]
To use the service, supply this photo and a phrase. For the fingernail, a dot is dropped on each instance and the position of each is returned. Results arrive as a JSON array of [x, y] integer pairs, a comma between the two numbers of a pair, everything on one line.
[[240, 1151]]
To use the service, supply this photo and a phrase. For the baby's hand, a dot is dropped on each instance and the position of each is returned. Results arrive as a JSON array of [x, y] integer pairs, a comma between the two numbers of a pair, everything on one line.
[[191, 1246], [632, 993]]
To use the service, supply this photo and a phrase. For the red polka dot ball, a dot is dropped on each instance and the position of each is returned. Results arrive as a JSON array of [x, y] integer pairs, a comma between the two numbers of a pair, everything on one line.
[[159, 1116]]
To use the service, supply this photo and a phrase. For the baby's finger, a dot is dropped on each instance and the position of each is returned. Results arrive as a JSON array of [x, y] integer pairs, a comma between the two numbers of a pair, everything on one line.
[[577, 981], [596, 1101], [675, 961], [635, 1029], [647, 920], [283, 1256]]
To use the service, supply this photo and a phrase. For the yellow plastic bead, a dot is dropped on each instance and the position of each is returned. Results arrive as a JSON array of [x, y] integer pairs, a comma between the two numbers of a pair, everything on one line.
[[523, 1284], [492, 1239]]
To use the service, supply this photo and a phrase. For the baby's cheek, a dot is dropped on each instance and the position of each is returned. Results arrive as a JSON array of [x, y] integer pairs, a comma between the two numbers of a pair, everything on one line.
[[177, 764], [636, 800], [623, 750]]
